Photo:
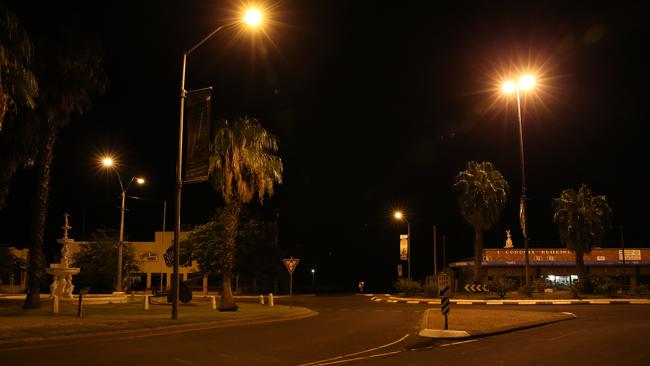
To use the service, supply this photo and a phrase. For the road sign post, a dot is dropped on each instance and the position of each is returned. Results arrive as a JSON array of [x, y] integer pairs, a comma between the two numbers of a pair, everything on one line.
[[443, 291], [291, 265]]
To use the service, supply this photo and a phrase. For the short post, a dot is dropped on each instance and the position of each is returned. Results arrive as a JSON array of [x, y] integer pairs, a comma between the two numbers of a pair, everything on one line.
[[146, 302], [271, 299], [205, 285], [214, 302], [261, 299], [55, 304], [81, 296]]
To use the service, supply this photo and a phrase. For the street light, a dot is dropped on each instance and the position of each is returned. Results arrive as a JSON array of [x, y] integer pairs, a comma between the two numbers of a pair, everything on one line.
[[108, 163], [400, 216], [313, 273], [252, 18], [525, 83]]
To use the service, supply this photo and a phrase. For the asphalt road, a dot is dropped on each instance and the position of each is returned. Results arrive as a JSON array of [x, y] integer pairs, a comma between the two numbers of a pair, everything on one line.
[[354, 330]]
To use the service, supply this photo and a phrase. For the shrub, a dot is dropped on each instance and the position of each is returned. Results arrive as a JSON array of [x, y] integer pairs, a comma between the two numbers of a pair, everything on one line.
[[409, 287], [431, 286], [539, 284], [501, 286], [604, 284]]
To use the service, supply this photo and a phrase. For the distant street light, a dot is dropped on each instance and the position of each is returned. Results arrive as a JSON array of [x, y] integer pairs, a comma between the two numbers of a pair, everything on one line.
[[313, 273], [108, 163], [252, 18], [400, 216], [525, 83]]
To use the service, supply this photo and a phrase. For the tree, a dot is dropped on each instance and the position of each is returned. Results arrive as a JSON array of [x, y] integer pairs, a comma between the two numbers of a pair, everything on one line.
[[97, 261], [9, 263], [241, 168], [483, 195], [17, 82], [255, 252], [69, 72], [582, 220], [18, 88]]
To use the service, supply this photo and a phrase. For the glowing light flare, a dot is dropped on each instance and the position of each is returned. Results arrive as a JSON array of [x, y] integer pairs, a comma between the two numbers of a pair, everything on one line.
[[139, 180], [527, 82], [508, 87], [107, 161], [253, 17], [398, 215]]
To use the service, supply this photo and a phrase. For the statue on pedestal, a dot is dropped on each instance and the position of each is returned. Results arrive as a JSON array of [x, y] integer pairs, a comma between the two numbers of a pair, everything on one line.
[[508, 240]]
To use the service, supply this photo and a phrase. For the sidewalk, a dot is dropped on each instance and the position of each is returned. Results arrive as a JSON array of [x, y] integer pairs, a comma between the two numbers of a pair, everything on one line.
[[466, 323], [430, 301]]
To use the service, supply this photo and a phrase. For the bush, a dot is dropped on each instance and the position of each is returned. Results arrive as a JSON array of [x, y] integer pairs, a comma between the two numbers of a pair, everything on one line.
[[603, 284], [525, 290], [501, 286], [539, 284], [409, 287], [431, 286]]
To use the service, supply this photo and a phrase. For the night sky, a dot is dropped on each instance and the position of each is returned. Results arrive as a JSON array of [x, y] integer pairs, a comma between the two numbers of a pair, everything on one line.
[[376, 105]]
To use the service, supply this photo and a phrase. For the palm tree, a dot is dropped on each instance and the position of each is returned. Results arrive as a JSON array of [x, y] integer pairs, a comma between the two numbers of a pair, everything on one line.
[[483, 195], [18, 88], [241, 168], [582, 220], [69, 73], [17, 83]]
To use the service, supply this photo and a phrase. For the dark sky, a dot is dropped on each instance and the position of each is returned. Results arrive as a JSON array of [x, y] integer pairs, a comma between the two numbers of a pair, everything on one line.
[[377, 105]]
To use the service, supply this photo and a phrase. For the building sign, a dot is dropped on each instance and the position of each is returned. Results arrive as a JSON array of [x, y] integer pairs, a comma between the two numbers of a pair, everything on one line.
[[630, 255], [403, 247], [148, 257]]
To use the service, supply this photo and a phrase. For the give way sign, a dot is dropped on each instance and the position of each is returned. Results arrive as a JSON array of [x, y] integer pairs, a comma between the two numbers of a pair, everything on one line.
[[291, 264]]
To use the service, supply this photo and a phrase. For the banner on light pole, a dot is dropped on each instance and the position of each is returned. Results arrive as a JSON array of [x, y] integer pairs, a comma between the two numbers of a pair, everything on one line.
[[403, 247], [198, 123]]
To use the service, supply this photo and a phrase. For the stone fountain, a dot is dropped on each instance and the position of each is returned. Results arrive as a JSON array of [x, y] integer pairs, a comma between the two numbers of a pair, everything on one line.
[[62, 272]]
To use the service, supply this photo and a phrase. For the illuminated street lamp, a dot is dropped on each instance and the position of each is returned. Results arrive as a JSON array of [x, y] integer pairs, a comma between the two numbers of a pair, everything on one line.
[[525, 83], [313, 273], [108, 163], [398, 215], [252, 18]]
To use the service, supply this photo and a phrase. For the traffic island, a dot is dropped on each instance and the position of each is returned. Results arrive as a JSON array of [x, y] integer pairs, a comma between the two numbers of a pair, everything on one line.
[[32, 328], [465, 323]]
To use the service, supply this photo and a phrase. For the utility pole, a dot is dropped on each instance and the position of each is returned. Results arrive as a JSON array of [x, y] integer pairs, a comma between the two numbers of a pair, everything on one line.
[[444, 252], [435, 252], [623, 255]]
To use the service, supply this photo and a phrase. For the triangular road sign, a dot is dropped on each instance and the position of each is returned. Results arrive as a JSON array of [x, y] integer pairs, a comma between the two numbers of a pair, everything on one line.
[[291, 264]]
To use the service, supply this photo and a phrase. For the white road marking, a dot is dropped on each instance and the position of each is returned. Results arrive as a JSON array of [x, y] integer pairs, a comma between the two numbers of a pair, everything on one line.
[[358, 358], [460, 342], [320, 362]]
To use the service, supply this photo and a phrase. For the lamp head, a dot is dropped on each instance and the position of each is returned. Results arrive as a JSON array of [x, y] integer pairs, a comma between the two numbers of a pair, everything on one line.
[[398, 215], [508, 87], [139, 180], [527, 82], [107, 161], [253, 17]]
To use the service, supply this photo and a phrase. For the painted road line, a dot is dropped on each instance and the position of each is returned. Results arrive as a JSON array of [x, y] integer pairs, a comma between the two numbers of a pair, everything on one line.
[[413, 302], [321, 362], [495, 303], [358, 358], [433, 302], [459, 342], [561, 302], [391, 301]]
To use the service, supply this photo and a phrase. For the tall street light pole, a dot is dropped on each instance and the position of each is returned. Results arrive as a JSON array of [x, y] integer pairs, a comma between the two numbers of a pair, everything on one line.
[[400, 216], [253, 18], [108, 163], [526, 82]]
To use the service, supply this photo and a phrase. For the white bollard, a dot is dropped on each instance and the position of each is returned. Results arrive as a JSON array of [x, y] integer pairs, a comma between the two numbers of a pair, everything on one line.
[[55, 304], [271, 299], [261, 299], [214, 302], [146, 302]]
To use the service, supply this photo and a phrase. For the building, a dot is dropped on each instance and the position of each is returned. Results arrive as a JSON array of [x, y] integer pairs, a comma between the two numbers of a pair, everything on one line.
[[154, 272], [15, 281], [558, 264]]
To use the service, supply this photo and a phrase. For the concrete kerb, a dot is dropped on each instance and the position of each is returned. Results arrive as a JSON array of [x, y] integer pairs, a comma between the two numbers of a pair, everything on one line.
[[462, 334], [144, 332], [407, 300]]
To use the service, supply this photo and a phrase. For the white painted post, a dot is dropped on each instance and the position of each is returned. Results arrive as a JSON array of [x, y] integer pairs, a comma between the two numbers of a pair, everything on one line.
[[214, 302], [271, 299], [261, 299], [55, 304], [146, 302]]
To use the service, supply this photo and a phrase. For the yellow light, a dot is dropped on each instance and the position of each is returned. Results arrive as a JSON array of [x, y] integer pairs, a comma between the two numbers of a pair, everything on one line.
[[508, 87], [398, 215], [139, 180], [527, 82], [253, 17], [107, 161]]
